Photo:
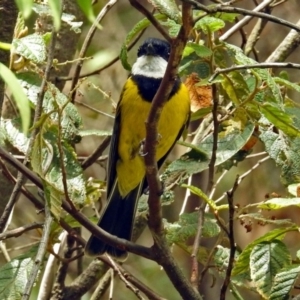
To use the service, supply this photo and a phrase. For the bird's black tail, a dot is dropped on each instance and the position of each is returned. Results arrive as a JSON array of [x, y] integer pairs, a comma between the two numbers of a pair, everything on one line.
[[117, 219]]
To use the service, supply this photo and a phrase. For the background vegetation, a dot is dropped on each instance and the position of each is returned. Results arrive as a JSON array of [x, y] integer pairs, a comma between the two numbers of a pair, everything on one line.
[[230, 206]]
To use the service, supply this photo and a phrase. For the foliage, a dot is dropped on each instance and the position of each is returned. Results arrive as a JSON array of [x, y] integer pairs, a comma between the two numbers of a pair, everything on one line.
[[241, 108]]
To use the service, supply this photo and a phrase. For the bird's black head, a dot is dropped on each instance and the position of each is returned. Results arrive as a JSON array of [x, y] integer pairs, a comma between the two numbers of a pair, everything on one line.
[[155, 47]]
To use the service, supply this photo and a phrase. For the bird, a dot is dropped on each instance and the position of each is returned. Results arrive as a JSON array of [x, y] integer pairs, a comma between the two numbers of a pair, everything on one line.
[[126, 168]]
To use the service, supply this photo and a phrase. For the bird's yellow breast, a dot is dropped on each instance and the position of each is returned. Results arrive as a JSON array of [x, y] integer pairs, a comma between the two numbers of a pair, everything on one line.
[[133, 115]]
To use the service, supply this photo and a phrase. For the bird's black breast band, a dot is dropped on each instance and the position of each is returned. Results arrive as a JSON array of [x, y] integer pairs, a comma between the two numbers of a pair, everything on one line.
[[148, 86]]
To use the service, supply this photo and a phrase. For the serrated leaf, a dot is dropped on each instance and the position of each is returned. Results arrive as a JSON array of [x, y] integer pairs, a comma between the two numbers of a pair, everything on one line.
[[285, 152], [172, 26], [54, 198], [284, 281], [198, 160], [187, 227], [25, 7], [201, 194], [15, 274], [14, 136], [278, 203], [221, 257], [168, 8], [288, 84], [209, 24], [19, 96], [31, 47], [46, 162], [280, 119], [56, 9], [240, 58], [242, 263], [266, 259], [70, 120], [144, 23]]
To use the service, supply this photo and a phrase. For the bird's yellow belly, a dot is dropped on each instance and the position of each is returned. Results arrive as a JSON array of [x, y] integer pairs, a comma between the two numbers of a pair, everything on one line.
[[134, 113]]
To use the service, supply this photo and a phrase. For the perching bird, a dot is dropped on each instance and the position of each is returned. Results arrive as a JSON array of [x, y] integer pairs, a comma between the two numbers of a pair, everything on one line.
[[126, 168]]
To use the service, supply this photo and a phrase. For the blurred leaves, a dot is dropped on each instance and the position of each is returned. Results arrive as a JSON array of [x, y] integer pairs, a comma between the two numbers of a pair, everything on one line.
[[15, 274], [19, 96]]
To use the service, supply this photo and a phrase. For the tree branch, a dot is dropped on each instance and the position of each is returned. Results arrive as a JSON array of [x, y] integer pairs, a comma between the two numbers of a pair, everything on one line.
[[242, 11], [161, 248], [82, 219]]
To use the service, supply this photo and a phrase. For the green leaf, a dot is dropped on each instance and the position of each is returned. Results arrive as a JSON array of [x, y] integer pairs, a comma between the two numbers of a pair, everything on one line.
[[187, 227], [56, 9], [45, 160], [14, 136], [87, 8], [200, 113], [280, 119], [198, 159], [31, 47], [284, 281], [15, 274], [209, 24], [288, 84], [240, 58], [201, 194], [266, 259], [173, 27], [53, 100], [200, 50], [19, 96], [242, 263], [278, 203], [284, 151], [168, 8], [54, 198], [25, 7]]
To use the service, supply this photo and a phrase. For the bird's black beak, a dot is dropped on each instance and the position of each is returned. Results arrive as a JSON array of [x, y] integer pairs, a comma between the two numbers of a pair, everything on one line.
[[150, 49]]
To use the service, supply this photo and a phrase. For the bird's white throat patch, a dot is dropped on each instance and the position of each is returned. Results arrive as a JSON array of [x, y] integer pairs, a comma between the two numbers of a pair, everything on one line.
[[150, 66]]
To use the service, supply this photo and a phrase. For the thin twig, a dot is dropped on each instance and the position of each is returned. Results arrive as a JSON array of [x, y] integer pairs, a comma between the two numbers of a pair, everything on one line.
[[127, 283], [40, 254], [244, 21], [242, 11], [243, 176], [102, 286], [98, 151], [210, 184], [81, 218], [151, 18], [265, 65], [110, 63], [227, 279], [86, 44], [161, 248], [19, 231]]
